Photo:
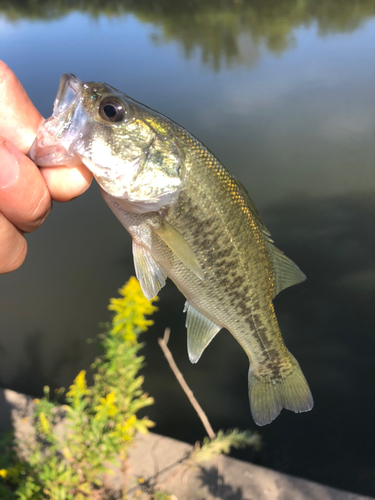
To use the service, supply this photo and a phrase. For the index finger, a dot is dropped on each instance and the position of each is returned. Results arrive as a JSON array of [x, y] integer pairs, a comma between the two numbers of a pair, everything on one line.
[[19, 122], [19, 118]]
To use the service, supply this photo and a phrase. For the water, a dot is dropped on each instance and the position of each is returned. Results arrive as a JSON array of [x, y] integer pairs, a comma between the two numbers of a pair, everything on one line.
[[283, 93]]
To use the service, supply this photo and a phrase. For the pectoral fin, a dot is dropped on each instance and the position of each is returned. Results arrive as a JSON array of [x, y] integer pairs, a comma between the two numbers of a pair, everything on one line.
[[287, 273], [148, 271], [180, 247], [200, 332]]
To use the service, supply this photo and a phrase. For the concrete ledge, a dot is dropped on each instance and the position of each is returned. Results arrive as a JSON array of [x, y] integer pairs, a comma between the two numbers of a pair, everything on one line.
[[157, 459]]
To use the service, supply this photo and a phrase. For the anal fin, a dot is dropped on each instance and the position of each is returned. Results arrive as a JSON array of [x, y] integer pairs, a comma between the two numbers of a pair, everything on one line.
[[200, 332], [148, 271]]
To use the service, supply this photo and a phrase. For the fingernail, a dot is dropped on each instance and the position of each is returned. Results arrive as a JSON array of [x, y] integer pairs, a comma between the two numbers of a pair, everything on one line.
[[9, 168]]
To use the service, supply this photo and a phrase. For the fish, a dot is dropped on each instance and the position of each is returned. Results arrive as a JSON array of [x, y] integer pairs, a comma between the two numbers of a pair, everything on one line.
[[191, 221]]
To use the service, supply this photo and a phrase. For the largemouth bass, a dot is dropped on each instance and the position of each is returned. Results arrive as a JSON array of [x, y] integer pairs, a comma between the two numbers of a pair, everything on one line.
[[191, 221]]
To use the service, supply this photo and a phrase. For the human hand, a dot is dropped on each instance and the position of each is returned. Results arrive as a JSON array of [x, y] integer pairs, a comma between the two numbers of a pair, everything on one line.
[[26, 192]]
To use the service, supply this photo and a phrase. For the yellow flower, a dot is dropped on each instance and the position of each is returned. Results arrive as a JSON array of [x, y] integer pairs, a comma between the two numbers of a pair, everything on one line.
[[79, 385], [131, 310], [11, 472], [78, 389], [106, 406], [44, 424], [127, 429]]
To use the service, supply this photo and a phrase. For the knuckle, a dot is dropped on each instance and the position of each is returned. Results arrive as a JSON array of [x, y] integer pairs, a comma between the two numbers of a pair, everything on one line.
[[39, 209], [13, 247]]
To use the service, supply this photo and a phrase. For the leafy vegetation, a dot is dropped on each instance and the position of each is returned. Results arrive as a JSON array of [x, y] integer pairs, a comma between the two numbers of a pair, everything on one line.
[[100, 420], [72, 446]]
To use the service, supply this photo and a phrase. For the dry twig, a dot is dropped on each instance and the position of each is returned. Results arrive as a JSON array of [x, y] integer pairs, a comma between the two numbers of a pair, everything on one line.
[[189, 393]]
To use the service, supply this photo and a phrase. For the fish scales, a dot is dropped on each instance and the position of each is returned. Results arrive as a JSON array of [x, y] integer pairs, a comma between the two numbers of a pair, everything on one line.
[[243, 293], [191, 221]]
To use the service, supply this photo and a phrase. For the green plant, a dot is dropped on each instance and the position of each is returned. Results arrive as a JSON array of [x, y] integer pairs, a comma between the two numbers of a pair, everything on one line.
[[68, 455], [100, 420], [222, 444]]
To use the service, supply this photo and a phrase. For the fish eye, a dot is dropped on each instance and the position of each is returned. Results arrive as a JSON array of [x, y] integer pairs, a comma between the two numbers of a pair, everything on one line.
[[112, 110]]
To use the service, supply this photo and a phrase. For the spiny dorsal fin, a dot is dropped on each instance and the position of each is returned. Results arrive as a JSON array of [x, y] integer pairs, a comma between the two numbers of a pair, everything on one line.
[[200, 332], [180, 247], [245, 195], [148, 271], [286, 272]]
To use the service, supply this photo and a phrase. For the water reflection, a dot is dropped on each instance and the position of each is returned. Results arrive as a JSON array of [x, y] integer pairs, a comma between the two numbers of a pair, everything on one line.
[[224, 32]]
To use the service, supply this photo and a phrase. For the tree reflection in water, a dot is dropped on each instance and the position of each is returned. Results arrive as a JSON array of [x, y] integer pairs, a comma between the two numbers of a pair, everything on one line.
[[225, 32]]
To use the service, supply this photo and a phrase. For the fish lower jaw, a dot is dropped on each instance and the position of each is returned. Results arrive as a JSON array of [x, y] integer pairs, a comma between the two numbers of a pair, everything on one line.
[[50, 153]]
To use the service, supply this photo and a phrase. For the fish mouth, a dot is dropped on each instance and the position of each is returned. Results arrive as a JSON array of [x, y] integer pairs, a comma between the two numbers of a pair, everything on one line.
[[69, 88], [48, 155], [52, 145]]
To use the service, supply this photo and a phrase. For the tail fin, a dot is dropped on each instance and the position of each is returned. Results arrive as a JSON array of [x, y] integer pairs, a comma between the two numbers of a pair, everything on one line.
[[269, 395]]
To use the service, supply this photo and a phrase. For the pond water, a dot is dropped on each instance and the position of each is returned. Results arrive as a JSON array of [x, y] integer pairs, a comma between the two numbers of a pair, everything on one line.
[[283, 93]]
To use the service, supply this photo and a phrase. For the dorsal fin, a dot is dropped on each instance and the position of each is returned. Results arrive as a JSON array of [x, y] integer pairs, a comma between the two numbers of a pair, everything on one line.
[[286, 272], [242, 190]]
